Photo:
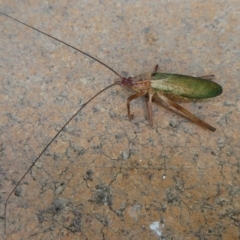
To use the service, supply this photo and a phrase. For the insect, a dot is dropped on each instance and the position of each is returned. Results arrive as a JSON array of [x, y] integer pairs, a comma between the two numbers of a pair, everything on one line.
[[155, 86]]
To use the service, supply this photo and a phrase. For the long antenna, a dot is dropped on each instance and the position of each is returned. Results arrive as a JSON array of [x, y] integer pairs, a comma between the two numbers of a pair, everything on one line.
[[70, 119], [86, 54]]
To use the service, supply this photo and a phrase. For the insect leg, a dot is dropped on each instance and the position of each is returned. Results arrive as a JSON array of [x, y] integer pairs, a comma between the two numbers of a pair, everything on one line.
[[208, 77], [149, 108], [155, 68], [136, 95], [186, 113]]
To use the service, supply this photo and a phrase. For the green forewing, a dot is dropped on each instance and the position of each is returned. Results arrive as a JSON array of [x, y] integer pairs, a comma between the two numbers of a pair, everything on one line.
[[185, 86]]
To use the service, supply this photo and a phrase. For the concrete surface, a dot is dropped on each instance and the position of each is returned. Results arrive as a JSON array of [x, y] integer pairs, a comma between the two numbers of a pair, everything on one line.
[[106, 177]]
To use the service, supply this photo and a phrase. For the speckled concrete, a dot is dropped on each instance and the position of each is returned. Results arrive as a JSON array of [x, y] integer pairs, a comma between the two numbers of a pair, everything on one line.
[[106, 177]]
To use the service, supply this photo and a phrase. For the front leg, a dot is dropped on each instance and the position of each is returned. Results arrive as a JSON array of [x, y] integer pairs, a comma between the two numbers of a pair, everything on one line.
[[136, 95]]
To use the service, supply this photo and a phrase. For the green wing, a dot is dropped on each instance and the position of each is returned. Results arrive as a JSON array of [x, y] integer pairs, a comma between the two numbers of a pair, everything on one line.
[[185, 86]]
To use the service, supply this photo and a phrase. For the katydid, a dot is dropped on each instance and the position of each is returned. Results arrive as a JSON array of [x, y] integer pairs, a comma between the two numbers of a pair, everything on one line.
[[155, 86], [158, 85]]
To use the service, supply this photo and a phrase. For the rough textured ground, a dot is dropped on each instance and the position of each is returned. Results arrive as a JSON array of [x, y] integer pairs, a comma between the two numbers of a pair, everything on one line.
[[106, 177]]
